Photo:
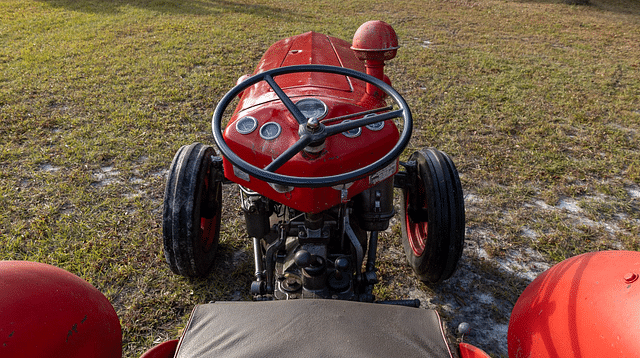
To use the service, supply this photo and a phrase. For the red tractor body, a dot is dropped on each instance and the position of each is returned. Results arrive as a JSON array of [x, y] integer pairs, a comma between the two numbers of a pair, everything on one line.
[[586, 306], [46, 311], [340, 94]]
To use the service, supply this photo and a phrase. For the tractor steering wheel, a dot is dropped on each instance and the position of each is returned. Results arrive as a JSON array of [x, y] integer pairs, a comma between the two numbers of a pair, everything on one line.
[[314, 132]]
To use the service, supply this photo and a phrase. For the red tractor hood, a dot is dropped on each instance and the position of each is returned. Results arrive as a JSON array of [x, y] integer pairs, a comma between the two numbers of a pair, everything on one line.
[[308, 49], [304, 49]]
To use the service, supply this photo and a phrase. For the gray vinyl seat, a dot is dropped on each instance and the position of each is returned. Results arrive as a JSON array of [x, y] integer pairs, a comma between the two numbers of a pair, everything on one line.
[[312, 328]]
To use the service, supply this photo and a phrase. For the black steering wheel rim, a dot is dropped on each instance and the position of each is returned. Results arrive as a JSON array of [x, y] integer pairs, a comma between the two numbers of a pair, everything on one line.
[[333, 180]]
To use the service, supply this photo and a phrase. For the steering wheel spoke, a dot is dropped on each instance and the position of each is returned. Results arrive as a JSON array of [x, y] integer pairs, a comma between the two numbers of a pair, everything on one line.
[[289, 153], [356, 123], [293, 109]]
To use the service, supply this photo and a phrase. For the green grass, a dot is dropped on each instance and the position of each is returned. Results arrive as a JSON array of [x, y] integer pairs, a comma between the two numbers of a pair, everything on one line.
[[534, 100]]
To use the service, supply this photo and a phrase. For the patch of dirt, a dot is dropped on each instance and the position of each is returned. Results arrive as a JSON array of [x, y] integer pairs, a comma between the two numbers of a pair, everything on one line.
[[485, 287]]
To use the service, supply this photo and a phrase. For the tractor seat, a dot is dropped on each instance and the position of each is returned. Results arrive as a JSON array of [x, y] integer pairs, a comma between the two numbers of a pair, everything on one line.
[[311, 328]]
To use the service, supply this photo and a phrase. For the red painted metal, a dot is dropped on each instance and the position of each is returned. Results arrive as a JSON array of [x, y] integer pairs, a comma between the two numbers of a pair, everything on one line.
[[375, 42], [469, 351], [418, 232], [163, 350], [587, 306], [46, 311], [341, 94]]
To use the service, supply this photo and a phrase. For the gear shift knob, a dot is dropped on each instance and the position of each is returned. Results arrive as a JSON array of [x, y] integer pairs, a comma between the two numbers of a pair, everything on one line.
[[303, 259]]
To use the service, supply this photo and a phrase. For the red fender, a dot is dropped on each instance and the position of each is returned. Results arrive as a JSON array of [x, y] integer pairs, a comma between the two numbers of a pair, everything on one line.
[[587, 306], [46, 311], [469, 351], [163, 350]]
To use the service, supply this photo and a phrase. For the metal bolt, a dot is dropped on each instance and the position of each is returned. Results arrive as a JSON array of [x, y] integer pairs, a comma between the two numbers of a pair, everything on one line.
[[313, 124], [630, 277]]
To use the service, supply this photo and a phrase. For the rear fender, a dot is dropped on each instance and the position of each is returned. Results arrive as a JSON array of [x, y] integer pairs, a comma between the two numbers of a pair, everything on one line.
[[469, 351], [163, 350]]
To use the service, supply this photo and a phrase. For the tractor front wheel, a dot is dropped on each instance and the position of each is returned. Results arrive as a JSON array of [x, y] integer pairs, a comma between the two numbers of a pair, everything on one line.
[[432, 217], [191, 213]]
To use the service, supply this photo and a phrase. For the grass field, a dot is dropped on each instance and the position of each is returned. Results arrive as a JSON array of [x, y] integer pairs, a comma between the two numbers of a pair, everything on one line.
[[537, 102]]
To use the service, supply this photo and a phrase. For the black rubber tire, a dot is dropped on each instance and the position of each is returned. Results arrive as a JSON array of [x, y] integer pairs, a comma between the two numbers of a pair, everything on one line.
[[433, 240], [192, 211]]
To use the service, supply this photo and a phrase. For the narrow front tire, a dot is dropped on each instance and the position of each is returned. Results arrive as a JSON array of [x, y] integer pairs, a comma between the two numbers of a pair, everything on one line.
[[192, 211], [432, 217]]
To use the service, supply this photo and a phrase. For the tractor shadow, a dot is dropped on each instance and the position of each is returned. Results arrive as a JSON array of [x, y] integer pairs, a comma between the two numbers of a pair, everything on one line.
[[482, 294], [175, 7], [482, 291]]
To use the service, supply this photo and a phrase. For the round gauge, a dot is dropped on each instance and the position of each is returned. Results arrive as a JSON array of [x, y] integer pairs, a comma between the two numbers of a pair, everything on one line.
[[270, 130], [374, 126], [246, 125], [312, 108], [352, 133]]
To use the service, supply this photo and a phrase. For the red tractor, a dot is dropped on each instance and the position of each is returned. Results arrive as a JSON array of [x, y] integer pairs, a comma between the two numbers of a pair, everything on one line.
[[314, 146]]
